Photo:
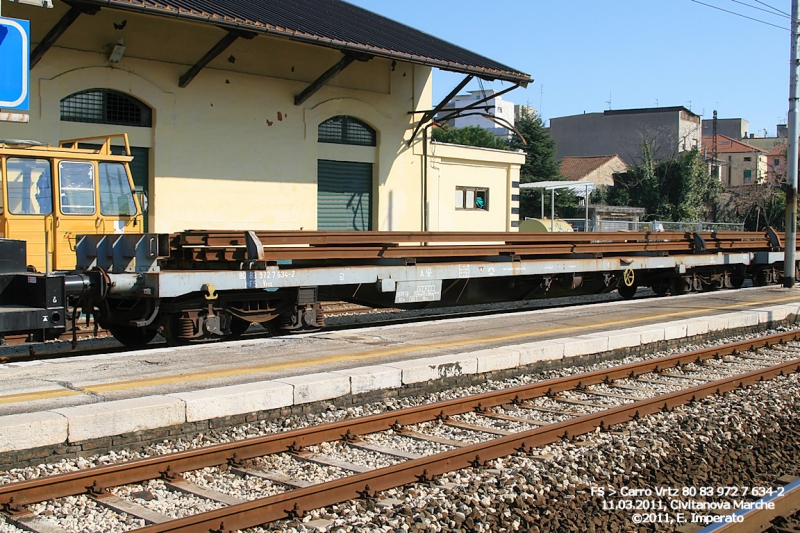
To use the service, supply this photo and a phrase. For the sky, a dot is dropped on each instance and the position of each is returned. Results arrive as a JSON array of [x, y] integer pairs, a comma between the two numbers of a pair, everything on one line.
[[593, 55]]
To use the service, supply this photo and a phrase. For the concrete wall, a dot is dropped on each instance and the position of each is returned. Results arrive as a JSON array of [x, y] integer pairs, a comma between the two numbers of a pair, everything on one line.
[[766, 143], [735, 128], [451, 166], [618, 132], [232, 150]]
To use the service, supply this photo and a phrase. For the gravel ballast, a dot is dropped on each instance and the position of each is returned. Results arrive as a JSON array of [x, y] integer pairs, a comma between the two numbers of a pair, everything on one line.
[[745, 438]]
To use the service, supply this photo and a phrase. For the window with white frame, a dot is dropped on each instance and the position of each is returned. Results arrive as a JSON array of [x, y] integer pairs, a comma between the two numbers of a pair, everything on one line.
[[475, 198]]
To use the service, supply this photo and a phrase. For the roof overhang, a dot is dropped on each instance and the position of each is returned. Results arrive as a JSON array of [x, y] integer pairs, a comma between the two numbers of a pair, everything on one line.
[[229, 23]]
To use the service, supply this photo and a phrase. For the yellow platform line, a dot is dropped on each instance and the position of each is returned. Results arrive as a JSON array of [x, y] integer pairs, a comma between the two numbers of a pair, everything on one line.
[[213, 374], [43, 395]]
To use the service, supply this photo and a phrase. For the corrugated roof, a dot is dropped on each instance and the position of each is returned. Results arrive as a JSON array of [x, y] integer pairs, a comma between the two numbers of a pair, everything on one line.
[[329, 23]]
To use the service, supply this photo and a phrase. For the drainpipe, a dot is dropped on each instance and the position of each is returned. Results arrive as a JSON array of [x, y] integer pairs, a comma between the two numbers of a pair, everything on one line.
[[425, 179]]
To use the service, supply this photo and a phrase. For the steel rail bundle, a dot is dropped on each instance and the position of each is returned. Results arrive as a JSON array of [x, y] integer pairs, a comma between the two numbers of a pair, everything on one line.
[[314, 245], [293, 503]]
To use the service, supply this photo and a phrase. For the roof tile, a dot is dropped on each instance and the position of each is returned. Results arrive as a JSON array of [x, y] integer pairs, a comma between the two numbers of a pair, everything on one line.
[[575, 168], [331, 23], [729, 145]]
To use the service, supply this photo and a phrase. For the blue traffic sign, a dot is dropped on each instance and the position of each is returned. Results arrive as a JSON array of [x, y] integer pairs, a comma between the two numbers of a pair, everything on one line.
[[14, 60]]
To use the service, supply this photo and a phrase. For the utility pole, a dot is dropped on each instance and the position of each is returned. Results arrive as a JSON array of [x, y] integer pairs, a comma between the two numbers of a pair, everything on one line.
[[790, 245], [714, 154]]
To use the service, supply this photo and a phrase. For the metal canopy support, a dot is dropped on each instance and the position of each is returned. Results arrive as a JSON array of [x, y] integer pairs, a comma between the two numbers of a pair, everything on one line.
[[430, 114], [551, 186], [329, 74], [475, 104], [216, 50], [57, 30]]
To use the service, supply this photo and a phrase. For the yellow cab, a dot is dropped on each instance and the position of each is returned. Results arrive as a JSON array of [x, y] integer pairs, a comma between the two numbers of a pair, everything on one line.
[[50, 195]]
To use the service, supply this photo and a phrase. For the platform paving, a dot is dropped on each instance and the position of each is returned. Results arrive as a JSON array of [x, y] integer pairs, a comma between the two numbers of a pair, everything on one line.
[[69, 401]]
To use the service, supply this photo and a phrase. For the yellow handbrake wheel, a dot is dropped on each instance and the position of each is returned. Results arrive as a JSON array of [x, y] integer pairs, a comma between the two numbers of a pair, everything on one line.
[[628, 277]]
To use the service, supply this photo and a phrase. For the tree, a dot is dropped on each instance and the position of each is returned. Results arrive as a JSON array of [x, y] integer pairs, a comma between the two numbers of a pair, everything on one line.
[[540, 165], [757, 206], [678, 189], [469, 136]]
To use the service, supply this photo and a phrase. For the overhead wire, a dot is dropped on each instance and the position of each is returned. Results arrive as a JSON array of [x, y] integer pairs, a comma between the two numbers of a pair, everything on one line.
[[761, 9], [740, 15], [773, 8]]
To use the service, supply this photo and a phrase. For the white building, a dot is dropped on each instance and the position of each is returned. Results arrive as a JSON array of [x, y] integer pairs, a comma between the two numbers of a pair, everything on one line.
[[495, 114]]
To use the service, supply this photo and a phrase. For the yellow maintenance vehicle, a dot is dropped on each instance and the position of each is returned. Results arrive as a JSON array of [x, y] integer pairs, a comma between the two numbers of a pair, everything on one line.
[[50, 195]]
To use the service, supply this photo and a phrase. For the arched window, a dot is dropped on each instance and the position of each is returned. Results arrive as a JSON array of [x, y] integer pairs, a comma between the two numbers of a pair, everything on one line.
[[345, 187], [346, 130], [104, 106]]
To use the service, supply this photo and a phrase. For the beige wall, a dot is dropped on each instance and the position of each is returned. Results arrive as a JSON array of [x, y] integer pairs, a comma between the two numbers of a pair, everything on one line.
[[733, 175], [604, 175], [451, 166], [232, 150]]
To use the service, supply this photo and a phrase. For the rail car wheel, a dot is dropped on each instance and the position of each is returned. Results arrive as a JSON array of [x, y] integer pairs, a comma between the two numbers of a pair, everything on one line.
[[681, 285], [172, 332], [737, 280], [626, 291], [661, 286], [238, 328], [132, 337]]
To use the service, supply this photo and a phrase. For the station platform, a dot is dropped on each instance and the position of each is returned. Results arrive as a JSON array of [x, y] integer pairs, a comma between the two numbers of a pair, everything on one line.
[[68, 401]]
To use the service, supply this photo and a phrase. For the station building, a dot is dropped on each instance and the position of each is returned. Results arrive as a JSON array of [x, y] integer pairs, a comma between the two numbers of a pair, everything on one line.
[[289, 115]]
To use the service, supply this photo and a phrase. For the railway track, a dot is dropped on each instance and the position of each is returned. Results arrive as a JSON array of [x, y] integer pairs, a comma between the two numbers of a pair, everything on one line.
[[468, 432], [59, 348], [779, 514], [343, 311]]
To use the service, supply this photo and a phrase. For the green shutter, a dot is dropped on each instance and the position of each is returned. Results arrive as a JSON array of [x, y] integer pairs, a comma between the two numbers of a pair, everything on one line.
[[344, 195], [140, 167]]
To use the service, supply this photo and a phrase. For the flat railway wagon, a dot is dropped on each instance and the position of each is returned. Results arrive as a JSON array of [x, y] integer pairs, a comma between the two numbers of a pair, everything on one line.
[[197, 286]]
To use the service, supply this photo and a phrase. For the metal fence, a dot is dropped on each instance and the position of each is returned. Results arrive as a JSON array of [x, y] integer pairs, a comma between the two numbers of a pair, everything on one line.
[[579, 224]]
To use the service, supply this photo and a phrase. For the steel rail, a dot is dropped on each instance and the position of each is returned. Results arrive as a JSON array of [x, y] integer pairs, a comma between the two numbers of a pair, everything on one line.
[[439, 251], [784, 503], [14, 496], [194, 237], [297, 502]]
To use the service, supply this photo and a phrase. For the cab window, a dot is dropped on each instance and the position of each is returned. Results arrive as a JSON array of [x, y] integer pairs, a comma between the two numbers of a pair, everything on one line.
[[76, 179], [29, 186], [116, 196]]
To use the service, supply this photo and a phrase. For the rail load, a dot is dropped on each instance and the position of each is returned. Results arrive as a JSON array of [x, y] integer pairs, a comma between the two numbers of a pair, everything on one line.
[[204, 285]]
